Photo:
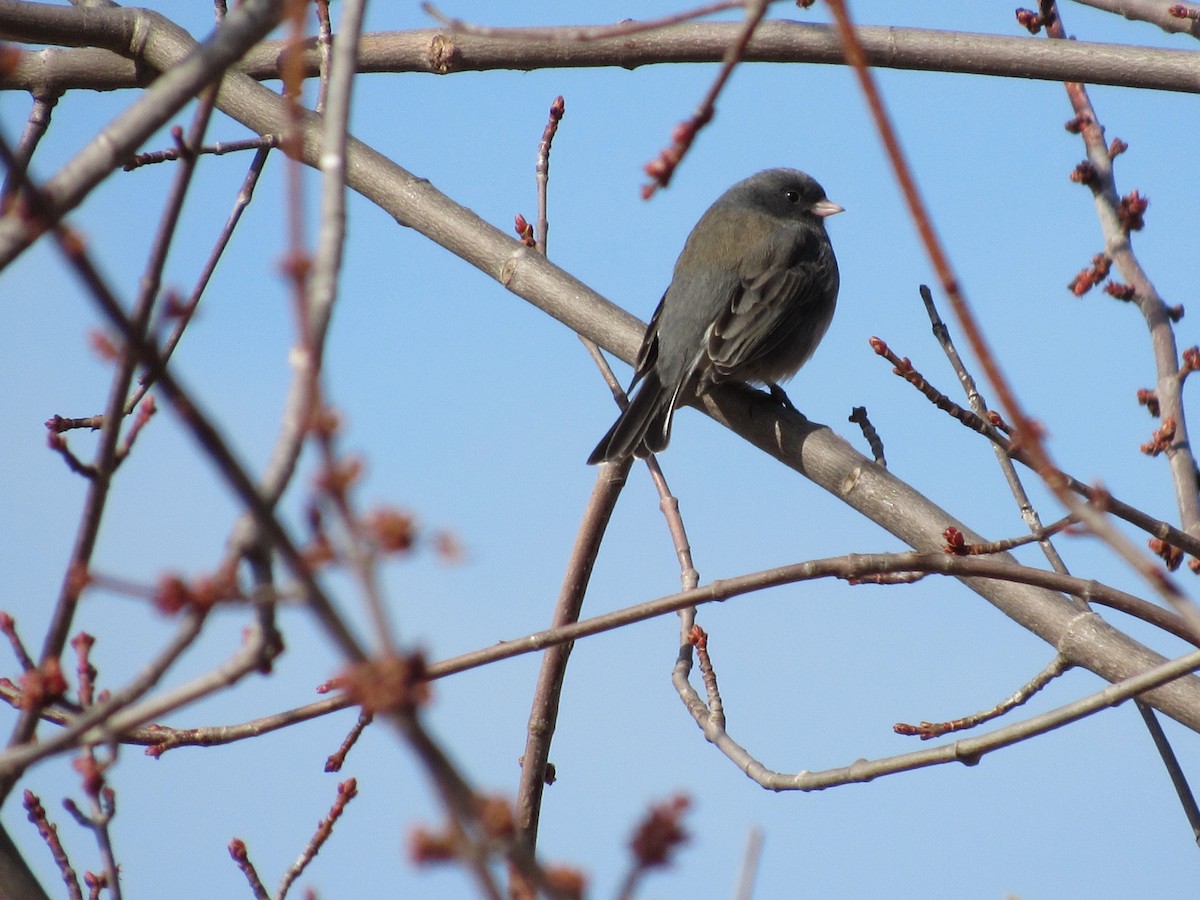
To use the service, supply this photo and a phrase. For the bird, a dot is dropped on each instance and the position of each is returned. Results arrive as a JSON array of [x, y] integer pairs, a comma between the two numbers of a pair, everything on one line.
[[751, 296]]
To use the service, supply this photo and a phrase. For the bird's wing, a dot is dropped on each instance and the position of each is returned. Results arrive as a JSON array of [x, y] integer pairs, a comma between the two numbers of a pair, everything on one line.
[[780, 298], [648, 352]]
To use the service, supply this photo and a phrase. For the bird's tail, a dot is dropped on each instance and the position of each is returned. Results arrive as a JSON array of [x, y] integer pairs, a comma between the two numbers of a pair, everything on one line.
[[643, 427]]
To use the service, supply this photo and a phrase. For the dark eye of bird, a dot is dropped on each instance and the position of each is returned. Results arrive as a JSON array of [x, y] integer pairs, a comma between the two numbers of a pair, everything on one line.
[[793, 196]]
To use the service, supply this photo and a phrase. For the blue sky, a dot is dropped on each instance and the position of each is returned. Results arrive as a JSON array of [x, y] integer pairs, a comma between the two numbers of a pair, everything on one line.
[[476, 411]]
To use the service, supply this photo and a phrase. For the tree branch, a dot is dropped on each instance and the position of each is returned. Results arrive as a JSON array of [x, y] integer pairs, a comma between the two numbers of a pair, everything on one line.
[[442, 52]]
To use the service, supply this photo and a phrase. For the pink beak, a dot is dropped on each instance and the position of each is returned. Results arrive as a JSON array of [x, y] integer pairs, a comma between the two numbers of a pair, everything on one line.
[[827, 208]]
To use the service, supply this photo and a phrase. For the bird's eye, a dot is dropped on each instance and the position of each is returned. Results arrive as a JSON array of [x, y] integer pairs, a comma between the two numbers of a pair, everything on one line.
[[792, 196]]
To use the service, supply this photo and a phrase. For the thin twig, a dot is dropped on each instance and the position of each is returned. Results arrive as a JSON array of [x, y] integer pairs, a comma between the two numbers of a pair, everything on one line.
[[241, 856], [104, 806], [853, 567], [716, 706], [991, 429], [105, 459], [227, 464], [35, 129], [49, 834], [265, 142], [928, 730], [662, 168], [188, 309], [751, 857], [1033, 522], [8, 627], [1003, 456], [858, 415], [347, 791], [1182, 789], [1039, 534], [968, 751], [573, 34], [542, 171], [336, 760], [101, 714]]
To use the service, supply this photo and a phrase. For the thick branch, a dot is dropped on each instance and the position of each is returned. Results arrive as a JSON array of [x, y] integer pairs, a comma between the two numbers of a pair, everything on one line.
[[443, 52]]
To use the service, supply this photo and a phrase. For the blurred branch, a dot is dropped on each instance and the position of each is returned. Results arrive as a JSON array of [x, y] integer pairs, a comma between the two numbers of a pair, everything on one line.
[[751, 857], [100, 715], [13, 762], [17, 878], [479, 826], [442, 52], [662, 168], [316, 297], [187, 69], [106, 454], [35, 130], [346, 791], [217, 449]]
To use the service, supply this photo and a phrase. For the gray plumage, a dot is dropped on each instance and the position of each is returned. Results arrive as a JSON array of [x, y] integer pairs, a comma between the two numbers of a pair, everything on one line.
[[752, 295]]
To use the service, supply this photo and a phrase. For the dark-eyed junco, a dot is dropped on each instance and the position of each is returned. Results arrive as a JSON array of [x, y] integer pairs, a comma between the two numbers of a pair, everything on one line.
[[752, 295]]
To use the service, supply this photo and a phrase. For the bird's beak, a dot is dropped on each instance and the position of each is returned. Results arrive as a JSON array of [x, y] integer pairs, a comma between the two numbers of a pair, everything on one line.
[[827, 208]]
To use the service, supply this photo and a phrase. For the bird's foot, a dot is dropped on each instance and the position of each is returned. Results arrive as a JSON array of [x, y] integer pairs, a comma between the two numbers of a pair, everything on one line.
[[779, 395]]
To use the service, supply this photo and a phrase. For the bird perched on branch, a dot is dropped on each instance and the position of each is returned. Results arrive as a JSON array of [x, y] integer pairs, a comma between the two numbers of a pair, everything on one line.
[[752, 295]]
